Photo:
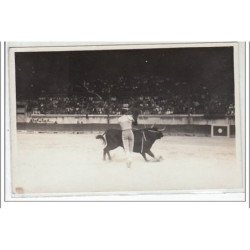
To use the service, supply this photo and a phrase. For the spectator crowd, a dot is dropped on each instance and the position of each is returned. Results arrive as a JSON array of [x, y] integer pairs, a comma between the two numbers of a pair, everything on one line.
[[159, 99]]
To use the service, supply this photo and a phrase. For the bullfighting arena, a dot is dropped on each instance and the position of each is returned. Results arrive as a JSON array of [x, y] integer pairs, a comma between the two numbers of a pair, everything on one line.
[[72, 163]]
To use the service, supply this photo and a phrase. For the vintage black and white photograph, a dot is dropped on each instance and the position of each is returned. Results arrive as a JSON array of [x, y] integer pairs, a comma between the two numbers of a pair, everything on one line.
[[95, 119]]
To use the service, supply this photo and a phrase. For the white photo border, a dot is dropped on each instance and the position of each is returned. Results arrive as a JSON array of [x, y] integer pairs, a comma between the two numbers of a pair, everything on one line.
[[172, 195]]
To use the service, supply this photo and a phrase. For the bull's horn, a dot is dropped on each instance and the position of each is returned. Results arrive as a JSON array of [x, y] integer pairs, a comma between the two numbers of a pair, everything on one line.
[[152, 125], [161, 130]]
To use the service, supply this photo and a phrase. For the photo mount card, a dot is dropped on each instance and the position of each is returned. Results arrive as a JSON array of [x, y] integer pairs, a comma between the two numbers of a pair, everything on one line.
[[64, 101]]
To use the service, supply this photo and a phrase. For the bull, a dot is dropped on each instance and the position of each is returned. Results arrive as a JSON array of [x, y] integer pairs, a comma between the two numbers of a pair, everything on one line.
[[143, 141]]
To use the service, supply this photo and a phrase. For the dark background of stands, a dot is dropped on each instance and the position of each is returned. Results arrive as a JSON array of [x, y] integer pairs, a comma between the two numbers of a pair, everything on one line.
[[152, 81]]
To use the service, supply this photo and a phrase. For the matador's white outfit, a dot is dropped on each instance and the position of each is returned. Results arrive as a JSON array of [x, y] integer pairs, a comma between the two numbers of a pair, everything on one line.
[[125, 122]]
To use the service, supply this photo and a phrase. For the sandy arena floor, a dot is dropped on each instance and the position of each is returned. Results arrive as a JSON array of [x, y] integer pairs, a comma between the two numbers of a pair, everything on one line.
[[66, 163]]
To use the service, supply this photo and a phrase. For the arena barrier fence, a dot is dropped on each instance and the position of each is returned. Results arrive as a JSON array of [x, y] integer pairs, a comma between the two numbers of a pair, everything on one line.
[[193, 125]]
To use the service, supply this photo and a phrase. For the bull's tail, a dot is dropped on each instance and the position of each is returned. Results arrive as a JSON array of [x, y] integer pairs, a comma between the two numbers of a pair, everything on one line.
[[102, 138]]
